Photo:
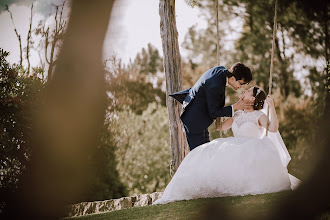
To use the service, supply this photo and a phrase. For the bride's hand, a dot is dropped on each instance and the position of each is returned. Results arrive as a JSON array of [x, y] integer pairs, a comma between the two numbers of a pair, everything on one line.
[[270, 101]]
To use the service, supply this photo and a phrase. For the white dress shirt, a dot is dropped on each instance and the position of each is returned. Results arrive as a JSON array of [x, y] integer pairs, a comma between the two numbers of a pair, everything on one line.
[[232, 107]]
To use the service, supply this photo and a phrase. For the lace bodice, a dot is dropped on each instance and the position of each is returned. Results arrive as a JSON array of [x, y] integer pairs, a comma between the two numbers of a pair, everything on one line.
[[247, 125]]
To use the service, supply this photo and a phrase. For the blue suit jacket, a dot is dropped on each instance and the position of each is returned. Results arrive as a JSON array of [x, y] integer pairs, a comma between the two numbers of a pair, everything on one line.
[[205, 101]]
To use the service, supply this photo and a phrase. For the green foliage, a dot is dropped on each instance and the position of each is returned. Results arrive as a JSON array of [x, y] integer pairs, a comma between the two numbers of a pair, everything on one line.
[[139, 122], [19, 96], [148, 61], [106, 183], [307, 24], [127, 87], [192, 3], [296, 127], [254, 47], [143, 150], [201, 44]]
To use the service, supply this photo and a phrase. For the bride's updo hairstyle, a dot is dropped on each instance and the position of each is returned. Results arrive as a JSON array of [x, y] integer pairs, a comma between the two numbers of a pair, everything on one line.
[[260, 97]]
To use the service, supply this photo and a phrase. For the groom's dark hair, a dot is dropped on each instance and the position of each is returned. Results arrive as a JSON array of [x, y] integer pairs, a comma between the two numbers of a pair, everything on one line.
[[240, 71]]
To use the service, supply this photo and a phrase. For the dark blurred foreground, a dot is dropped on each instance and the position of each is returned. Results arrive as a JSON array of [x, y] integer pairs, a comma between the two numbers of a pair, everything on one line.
[[69, 122]]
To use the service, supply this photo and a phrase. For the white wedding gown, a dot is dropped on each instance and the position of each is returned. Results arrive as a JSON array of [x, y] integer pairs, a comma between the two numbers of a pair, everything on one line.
[[248, 163]]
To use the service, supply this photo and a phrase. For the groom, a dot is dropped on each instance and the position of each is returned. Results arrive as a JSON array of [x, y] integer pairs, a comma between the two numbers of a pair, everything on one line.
[[205, 101]]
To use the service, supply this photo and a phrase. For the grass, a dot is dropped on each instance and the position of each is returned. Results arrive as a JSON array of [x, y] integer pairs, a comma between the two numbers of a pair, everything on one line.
[[240, 205]]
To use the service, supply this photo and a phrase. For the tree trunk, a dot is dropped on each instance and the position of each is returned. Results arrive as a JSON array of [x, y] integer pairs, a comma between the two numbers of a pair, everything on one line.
[[250, 12], [284, 75], [326, 20], [172, 65], [57, 32]]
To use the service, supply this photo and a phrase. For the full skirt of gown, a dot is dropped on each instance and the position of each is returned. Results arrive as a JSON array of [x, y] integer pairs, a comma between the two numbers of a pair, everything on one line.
[[233, 166]]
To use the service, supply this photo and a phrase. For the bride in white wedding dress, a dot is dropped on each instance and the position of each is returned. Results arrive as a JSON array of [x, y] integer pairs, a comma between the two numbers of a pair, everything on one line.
[[247, 164]]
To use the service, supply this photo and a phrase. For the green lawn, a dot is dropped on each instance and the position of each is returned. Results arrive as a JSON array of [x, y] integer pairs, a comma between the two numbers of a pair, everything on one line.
[[240, 205]]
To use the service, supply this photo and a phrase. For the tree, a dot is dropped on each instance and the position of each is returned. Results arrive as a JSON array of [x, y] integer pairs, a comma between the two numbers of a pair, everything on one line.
[[19, 96], [52, 38], [29, 42], [28, 39], [127, 86], [138, 126], [106, 183], [148, 61], [172, 64], [306, 23], [201, 44], [255, 45], [143, 147]]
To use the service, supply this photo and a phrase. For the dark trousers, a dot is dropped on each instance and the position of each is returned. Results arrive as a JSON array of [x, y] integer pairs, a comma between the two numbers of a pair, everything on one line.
[[196, 139]]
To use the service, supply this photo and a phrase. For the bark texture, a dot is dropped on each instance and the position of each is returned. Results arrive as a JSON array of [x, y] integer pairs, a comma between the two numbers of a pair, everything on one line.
[[172, 65]]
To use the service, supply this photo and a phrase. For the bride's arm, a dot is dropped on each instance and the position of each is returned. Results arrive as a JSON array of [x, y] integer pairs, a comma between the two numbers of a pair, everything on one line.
[[226, 124], [273, 125]]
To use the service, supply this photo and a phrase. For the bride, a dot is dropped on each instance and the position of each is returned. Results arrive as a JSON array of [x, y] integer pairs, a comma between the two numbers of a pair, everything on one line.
[[248, 163]]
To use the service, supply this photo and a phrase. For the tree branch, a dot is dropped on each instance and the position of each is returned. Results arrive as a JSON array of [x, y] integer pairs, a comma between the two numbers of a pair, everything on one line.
[[28, 42], [18, 37]]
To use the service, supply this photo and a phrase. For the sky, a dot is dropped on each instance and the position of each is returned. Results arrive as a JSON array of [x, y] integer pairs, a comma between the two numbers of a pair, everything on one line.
[[133, 25], [138, 24]]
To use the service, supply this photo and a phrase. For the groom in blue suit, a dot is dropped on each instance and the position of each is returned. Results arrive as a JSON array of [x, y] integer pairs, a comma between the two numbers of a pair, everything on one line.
[[205, 101]]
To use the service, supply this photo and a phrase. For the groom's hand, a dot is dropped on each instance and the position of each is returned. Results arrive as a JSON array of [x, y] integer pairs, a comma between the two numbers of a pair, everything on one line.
[[241, 105]]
